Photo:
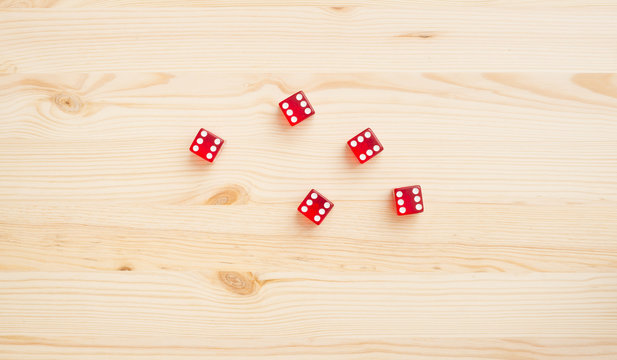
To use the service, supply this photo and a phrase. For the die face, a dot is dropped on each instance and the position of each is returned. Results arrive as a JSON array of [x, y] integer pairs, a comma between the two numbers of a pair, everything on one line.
[[206, 145], [365, 145], [408, 200], [315, 207], [296, 108]]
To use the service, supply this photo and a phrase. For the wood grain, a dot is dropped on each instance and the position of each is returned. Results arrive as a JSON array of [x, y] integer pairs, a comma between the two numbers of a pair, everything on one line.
[[117, 243], [445, 4], [231, 315], [107, 170], [202, 347], [301, 39], [451, 238], [228, 304]]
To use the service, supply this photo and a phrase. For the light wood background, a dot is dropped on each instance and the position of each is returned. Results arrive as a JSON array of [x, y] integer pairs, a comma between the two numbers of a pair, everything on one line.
[[117, 243]]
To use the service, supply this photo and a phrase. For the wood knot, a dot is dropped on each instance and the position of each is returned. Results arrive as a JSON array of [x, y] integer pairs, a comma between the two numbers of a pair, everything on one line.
[[239, 283], [419, 35], [231, 195], [68, 103], [342, 9], [125, 268]]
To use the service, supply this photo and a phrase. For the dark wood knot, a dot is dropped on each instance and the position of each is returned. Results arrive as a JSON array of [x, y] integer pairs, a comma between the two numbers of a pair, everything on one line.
[[69, 103]]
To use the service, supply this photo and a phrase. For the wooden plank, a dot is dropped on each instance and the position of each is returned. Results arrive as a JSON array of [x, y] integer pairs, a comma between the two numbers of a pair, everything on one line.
[[301, 39], [227, 304], [430, 106], [340, 4], [450, 237], [203, 347]]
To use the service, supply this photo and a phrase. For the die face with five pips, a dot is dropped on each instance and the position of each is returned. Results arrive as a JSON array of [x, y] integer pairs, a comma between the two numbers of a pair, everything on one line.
[[315, 207], [365, 145], [296, 108], [206, 145]]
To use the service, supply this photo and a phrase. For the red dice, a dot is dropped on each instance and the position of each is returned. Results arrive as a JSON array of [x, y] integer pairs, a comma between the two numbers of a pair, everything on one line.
[[296, 108], [206, 145], [315, 207], [408, 200], [365, 145]]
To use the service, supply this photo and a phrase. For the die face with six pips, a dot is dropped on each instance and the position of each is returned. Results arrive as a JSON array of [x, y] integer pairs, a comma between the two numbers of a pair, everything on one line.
[[408, 200]]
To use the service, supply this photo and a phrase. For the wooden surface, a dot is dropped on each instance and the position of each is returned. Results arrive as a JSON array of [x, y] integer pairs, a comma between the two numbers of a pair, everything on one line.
[[117, 243]]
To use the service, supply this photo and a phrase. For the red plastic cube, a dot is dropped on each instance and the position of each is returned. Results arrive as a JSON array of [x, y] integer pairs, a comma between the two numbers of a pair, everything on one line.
[[315, 207], [365, 145], [206, 145], [408, 200], [296, 108]]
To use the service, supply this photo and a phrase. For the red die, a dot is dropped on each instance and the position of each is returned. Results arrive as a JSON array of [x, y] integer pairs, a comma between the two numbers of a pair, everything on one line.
[[408, 200], [315, 207], [206, 145], [296, 108], [365, 145]]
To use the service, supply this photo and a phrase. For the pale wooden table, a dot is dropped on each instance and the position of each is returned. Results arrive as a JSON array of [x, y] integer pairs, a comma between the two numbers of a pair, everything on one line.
[[117, 243]]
